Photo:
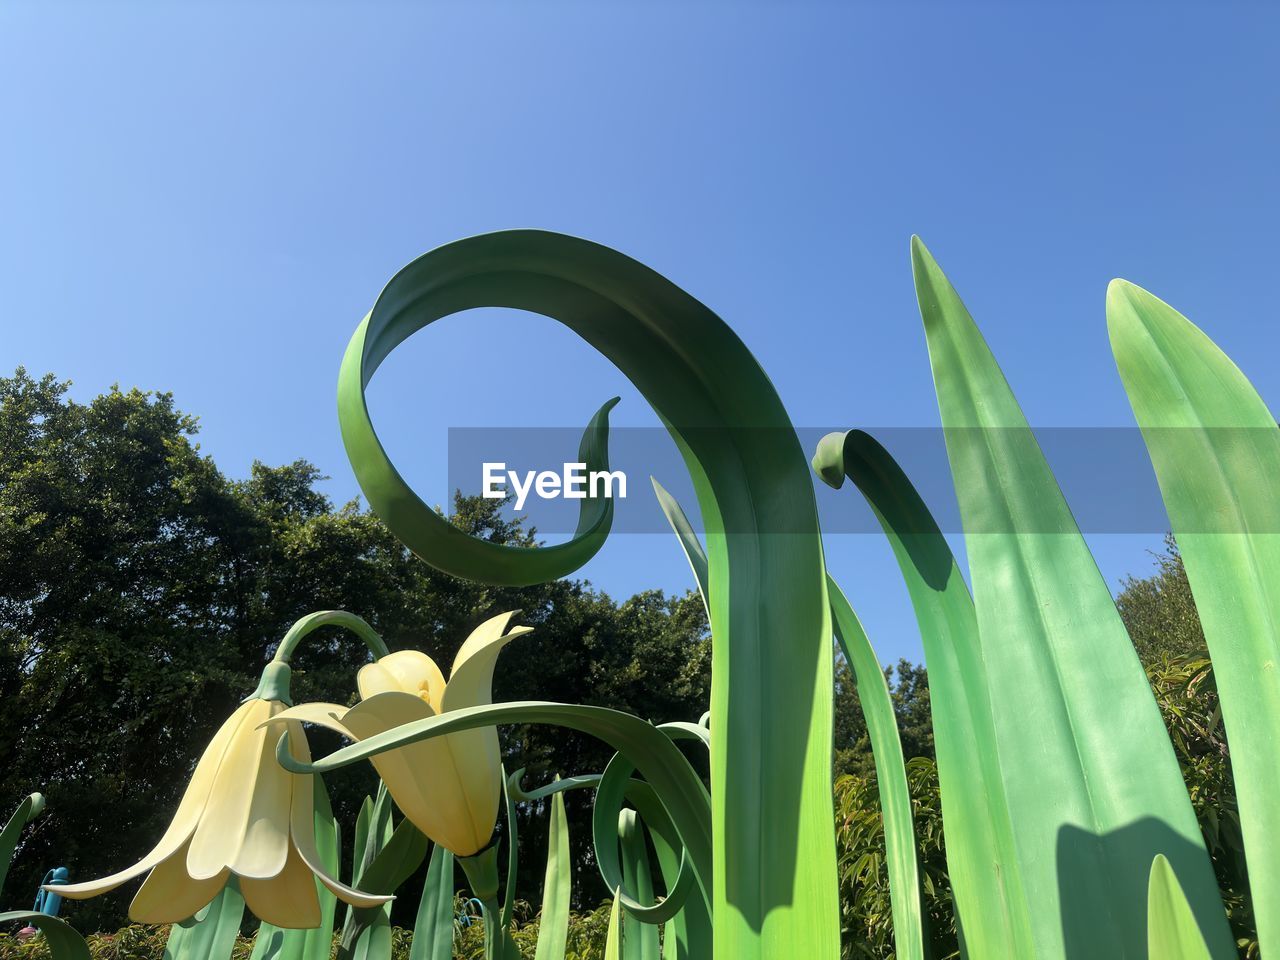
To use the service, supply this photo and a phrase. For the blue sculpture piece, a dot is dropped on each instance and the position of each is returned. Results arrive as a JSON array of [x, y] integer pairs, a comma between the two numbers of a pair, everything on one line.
[[48, 902]]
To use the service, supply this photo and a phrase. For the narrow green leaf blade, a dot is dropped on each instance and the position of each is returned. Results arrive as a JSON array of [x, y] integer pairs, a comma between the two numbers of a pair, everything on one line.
[[891, 776], [613, 945], [982, 861], [213, 934], [28, 810], [1172, 931], [433, 928], [688, 538], [1070, 701], [1216, 451], [396, 861], [557, 887], [640, 940], [511, 826]]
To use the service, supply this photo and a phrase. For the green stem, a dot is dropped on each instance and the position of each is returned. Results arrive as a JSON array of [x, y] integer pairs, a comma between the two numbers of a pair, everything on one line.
[[329, 618], [481, 870], [274, 684], [493, 939]]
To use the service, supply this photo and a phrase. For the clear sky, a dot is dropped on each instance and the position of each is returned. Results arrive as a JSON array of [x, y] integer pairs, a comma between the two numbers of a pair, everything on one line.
[[207, 198]]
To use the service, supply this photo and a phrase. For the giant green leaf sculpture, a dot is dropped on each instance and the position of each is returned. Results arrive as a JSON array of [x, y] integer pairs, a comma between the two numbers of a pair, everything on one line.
[[1093, 789], [991, 907], [1216, 451], [774, 891]]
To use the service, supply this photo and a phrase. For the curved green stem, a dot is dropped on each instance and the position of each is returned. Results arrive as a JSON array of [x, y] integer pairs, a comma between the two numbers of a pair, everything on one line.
[[329, 618], [658, 759], [482, 876]]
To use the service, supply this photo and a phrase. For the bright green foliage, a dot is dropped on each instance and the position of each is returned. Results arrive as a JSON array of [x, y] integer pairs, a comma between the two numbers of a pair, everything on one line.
[[1188, 698], [891, 776], [640, 939], [1216, 451], [982, 858], [1070, 703], [773, 889], [433, 927], [30, 808], [866, 916], [1159, 611], [1172, 931], [384, 857], [615, 946], [557, 886], [211, 934]]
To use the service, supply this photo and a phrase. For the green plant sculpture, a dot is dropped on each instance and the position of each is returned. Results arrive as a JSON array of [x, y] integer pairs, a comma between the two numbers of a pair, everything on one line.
[[1069, 831], [771, 880]]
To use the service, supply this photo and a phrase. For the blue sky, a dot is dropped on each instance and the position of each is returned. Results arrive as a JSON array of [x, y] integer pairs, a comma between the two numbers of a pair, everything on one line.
[[206, 199]]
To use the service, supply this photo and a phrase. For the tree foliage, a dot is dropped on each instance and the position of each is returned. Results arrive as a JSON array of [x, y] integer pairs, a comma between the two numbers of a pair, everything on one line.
[[142, 591]]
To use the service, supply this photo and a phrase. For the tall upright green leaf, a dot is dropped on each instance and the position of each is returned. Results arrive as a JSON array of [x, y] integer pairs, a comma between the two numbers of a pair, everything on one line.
[[982, 863], [1216, 451], [212, 934], [689, 542], [433, 928], [640, 940], [1093, 788], [613, 944], [774, 885], [557, 886], [387, 857], [1172, 932], [891, 776], [30, 808]]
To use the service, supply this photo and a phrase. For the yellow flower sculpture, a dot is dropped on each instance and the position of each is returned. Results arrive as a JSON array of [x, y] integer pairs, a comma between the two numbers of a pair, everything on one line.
[[243, 815], [448, 787]]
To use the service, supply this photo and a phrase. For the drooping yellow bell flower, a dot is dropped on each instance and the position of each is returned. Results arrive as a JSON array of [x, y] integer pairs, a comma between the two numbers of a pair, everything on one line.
[[244, 815], [449, 787]]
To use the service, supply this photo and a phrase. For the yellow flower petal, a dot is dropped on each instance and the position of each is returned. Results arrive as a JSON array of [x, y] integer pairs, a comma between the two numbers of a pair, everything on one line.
[[220, 836], [288, 900], [265, 848], [328, 715], [482, 636], [471, 683], [303, 833], [406, 671], [184, 820], [169, 895], [423, 778], [476, 757]]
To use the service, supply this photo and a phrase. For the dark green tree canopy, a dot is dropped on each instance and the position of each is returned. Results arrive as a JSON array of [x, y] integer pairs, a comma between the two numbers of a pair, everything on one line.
[[142, 591]]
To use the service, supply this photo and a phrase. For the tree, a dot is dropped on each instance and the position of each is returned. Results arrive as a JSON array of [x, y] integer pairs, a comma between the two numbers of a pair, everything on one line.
[[909, 691], [142, 592], [1159, 611]]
